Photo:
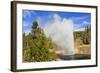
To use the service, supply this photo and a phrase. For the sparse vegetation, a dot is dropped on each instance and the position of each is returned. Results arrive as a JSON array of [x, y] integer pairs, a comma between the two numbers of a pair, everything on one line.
[[82, 41]]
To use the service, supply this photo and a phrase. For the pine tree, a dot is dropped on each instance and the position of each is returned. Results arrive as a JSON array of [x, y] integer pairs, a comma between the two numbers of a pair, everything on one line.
[[38, 46]]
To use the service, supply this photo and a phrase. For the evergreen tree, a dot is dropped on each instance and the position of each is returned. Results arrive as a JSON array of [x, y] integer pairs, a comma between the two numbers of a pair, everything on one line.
[[38, 46]]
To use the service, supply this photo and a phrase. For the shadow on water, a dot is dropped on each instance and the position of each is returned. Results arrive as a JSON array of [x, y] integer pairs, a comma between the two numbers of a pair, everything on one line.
[[74, 57]]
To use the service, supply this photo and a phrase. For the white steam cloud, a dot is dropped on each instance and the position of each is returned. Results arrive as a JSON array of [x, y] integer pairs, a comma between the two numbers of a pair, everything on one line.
[[61, 32]]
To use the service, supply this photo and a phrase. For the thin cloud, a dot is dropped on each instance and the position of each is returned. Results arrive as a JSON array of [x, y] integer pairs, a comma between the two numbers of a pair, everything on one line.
[[79, 18], [86, 22], [27, 32], [82, 25], [28, 13], [79, 29]]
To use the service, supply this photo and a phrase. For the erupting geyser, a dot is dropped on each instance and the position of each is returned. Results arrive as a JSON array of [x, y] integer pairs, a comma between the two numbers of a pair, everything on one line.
[[61, 32]]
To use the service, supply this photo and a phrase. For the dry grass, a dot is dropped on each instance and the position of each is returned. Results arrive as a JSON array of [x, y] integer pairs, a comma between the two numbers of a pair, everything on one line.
[[83, 49]]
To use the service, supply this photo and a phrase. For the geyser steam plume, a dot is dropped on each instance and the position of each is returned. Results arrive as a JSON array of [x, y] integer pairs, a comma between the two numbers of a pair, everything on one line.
[[61, 32]]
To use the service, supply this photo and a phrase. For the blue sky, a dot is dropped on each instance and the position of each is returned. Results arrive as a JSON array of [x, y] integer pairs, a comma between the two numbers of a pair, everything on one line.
[[80, 20]]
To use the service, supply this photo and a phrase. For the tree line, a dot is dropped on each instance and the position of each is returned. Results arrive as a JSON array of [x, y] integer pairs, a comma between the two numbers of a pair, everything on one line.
[[85, 36]]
